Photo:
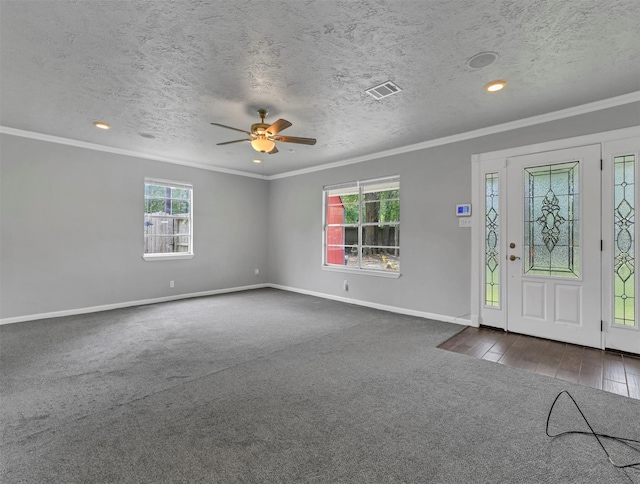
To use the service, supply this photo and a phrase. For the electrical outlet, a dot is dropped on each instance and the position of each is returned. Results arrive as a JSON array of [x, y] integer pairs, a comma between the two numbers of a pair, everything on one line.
[[345, 285], [172, 284], [257, 271]]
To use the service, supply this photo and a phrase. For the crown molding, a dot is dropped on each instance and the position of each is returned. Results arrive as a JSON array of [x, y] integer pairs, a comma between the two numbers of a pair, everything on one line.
[[498, 128], [118, 151]]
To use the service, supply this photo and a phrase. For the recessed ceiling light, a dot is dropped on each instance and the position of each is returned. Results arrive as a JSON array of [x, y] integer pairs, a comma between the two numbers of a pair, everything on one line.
[[101, 125], [483, 59], [495, 86], [257, 160]]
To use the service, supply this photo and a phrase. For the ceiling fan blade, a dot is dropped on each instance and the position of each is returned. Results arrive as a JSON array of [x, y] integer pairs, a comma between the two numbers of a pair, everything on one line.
[[278, 126], [293, 139], [273, 151], [234, 141], [229, 127]]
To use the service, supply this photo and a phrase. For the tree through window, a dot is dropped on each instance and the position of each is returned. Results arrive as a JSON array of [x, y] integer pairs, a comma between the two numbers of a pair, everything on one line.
[[362, 225]]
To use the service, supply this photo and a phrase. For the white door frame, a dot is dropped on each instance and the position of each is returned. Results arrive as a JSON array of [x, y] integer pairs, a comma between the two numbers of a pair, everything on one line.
[[495, 162]]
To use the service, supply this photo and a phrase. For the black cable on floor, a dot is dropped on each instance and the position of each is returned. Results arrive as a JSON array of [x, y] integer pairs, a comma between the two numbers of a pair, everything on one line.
[[628, 442]]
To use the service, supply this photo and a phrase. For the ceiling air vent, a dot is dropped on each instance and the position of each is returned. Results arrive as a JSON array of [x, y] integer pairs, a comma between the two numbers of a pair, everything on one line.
[[385, 89]]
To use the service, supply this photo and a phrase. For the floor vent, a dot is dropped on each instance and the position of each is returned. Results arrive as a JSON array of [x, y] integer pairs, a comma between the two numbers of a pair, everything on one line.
[[385, 89]]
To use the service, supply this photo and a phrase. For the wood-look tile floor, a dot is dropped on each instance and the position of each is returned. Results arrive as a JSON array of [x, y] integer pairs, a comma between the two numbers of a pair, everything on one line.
[[606, 370]]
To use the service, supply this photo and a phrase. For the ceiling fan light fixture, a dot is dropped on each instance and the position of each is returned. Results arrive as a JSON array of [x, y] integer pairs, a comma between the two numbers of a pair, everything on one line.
[[263, 145], [263, 136], [257, 160]]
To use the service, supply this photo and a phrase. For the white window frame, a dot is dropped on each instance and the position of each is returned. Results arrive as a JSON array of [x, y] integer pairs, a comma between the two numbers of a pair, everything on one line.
[[354, 187], [170, 255]]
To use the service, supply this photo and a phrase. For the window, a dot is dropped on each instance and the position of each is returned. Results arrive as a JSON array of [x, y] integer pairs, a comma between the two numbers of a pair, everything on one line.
[[492, 235], [168, 226], [551, 229], [624, 236], [362, 226]]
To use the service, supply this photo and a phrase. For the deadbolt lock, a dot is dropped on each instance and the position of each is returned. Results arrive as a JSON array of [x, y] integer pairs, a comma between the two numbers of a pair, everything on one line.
[[512, 245]]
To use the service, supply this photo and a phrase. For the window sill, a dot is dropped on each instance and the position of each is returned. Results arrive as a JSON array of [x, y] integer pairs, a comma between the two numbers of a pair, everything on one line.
[[364, 272], [172, 256]]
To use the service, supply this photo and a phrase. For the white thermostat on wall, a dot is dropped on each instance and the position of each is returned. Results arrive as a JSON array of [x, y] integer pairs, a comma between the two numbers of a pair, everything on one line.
[[463, 210]]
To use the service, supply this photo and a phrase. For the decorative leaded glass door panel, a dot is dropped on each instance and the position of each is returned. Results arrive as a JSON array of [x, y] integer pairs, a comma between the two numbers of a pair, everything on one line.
[[553, 245], [620, 239]]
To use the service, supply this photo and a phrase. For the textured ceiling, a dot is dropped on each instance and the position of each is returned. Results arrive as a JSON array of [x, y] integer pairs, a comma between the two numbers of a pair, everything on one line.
[[161, 71]]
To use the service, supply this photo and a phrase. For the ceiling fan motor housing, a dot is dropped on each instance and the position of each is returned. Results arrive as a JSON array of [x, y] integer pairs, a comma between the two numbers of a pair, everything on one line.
[[259, 129]]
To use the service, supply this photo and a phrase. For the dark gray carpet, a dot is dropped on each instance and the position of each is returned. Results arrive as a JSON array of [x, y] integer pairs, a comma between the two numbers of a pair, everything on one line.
[[274, 387]]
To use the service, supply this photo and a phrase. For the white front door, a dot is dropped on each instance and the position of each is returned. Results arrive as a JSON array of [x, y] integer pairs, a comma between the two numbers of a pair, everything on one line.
[[553, 245]]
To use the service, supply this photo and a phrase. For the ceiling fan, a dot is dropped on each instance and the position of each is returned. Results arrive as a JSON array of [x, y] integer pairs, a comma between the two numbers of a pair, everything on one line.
[[264, 136]]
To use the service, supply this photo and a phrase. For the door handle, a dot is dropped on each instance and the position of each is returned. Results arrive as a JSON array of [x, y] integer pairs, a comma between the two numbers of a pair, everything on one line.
[[513, 257]]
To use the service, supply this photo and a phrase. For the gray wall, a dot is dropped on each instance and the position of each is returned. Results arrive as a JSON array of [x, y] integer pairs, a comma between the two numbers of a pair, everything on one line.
[[71, 225], [71, 229], [435, 252]]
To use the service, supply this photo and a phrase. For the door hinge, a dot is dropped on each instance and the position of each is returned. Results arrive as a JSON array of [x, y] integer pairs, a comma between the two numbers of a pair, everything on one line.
[[600, 164], [601, 245], [601, 325]]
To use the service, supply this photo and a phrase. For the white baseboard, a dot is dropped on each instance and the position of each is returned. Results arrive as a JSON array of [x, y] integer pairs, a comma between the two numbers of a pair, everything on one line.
[[143, 302], [462, 320]]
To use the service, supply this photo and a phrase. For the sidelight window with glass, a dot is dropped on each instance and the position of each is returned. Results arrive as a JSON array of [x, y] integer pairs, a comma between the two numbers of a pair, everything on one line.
[[492, 238], [624, 240]]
